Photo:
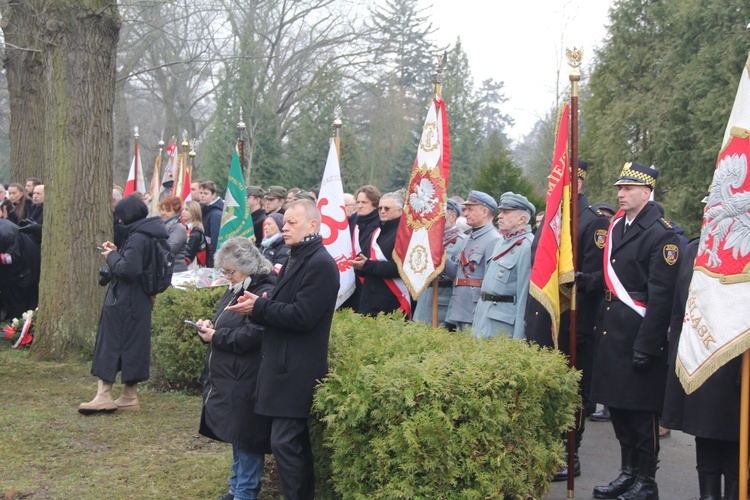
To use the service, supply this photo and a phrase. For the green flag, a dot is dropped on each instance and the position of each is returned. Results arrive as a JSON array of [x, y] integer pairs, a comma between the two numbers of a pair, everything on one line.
[[236, 220]]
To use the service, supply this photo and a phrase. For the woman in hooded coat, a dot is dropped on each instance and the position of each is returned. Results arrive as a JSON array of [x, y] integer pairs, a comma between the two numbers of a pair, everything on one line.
[[123, 339]]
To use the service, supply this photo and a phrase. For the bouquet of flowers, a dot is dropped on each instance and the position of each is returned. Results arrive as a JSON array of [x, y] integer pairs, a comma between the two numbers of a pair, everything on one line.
[[20, 330]]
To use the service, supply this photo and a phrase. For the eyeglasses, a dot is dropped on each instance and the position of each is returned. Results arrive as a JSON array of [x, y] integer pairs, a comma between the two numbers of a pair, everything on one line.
[[386, 209], [228, 273]]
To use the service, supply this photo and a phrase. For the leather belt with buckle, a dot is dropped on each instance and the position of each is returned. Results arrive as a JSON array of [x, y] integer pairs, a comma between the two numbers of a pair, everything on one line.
[[489, 297], [639, 296], [467, 282]]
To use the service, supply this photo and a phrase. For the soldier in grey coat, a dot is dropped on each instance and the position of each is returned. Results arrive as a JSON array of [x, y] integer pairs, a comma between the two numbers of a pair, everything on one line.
[[467, 274], [502, 304], [453, 240]]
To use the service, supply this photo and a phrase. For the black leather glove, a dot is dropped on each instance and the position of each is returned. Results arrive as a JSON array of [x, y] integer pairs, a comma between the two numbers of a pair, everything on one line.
[[581, 281], [641, 361], [29, 226]]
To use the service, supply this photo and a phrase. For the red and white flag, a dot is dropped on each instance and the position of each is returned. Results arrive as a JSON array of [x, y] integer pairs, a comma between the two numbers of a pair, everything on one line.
[[171, 167], [135, 175], [334, 225], [419, 250], [187, 194], [716, 324]]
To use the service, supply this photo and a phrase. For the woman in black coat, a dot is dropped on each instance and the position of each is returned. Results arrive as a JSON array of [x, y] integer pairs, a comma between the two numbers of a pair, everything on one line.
[[123, 339], [273, 247], [231, 368]]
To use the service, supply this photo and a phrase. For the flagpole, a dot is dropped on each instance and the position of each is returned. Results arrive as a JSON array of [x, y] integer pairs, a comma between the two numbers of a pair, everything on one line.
[[337, 123], [241, 145], [574, 61], [438, 81], [192, 154], [136, 156]]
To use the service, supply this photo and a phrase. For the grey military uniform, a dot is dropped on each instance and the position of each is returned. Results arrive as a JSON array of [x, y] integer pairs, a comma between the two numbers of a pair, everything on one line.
[[423, 311], [469, 272], [505, 288]]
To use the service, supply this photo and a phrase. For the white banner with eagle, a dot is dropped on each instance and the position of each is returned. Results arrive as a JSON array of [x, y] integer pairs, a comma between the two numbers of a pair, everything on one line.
[[716, 324], [418, 250]]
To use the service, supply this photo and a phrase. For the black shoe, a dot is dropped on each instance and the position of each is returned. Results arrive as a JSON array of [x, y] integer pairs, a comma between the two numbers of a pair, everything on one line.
[[620, 485], [562, 472], [601, 415], [644, 488], [226, 496]]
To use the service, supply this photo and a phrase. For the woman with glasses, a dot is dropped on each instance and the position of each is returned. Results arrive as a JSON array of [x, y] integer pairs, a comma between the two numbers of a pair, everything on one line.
[[231, 369]]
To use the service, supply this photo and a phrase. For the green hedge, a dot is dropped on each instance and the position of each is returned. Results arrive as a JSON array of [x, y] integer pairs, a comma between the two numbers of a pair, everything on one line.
[[408, 411], [176, 350], [412, 412]]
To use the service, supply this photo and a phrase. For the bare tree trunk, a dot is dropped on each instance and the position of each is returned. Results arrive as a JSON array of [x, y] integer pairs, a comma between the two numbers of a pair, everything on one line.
[[79, 68], [22, 23]]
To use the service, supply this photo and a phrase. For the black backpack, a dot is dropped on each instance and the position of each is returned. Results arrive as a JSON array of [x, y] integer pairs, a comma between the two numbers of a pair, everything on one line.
[[158, 268]]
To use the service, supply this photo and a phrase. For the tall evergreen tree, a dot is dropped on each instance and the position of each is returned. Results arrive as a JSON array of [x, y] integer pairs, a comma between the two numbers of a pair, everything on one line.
[[465, 125], [498, 173]]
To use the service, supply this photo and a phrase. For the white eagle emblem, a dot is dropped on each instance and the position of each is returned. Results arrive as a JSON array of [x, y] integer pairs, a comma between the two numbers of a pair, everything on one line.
[[727, 217], [423, 200]]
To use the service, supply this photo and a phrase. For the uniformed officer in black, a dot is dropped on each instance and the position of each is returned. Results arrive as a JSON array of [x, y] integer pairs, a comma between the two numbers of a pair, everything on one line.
[[592, 233], [630, 366]]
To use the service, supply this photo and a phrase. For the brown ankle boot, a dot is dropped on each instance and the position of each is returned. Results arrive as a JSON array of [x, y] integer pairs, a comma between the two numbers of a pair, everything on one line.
[[102, 402], [129, 398]]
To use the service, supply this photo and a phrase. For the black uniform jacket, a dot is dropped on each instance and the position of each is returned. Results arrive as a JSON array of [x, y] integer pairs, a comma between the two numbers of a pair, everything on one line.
[[713, 410], [230, 375], [297, 320], [592, 233], [645, 261]]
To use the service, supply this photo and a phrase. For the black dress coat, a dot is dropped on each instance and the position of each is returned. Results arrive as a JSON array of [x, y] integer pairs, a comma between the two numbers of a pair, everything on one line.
[[19, 276], [713, 410], [230, 375], [376, 297], [297, 319], [645, 260], [123, 339]]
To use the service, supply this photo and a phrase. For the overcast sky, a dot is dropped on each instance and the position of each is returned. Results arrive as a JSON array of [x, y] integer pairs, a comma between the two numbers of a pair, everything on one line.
[[521, 43]]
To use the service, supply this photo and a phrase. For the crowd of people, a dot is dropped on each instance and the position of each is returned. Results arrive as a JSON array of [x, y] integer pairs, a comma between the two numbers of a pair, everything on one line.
[[268, 339]]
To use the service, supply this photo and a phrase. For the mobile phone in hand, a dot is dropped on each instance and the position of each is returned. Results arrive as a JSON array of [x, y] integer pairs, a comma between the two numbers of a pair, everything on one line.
[[101, 249], [193, 324]]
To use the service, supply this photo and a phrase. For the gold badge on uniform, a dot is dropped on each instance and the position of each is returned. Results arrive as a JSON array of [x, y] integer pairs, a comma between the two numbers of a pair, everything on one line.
[[671, 252], [600, 237]]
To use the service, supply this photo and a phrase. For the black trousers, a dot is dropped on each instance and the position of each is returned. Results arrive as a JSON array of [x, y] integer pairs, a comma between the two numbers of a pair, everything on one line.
[[714, 457], [290, 443], [637, 430]]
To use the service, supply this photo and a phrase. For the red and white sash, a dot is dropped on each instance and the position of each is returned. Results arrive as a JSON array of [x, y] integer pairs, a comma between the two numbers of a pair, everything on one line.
[[396, 285], [610, 277]]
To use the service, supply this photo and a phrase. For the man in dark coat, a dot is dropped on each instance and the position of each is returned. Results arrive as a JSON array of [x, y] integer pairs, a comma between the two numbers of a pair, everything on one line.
[[630, 366], [255, 203], [211, 207], [297, 319], [592, 233], [20, 258], [712, 412], [123, 339], [382, 288]]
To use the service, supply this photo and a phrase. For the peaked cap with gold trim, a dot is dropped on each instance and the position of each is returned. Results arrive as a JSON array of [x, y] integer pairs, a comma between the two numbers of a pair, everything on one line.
[[635, 174]]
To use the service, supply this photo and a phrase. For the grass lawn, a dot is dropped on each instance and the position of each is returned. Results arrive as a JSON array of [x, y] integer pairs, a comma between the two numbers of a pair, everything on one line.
[[49, 450]]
